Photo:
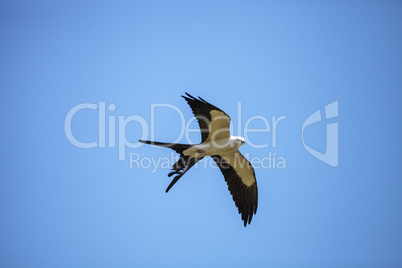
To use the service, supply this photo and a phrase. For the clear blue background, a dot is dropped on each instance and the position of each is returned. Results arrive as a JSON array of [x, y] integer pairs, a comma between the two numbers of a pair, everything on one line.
[[62, 206]]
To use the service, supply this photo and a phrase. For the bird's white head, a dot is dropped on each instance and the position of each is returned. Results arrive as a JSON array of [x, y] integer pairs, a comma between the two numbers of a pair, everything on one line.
[[238, 141]]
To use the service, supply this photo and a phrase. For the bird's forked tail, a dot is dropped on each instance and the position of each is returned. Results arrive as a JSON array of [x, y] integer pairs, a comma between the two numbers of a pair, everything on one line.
[[182, 165], [179, 148]]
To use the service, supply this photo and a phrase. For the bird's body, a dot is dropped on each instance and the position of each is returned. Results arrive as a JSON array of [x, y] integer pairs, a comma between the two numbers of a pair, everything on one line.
[[223, 148], [214, 147]]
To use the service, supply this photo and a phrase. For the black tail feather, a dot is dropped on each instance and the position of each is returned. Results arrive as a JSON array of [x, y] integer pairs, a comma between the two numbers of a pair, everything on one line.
[[182, 165], [185, 163], [179, 148]]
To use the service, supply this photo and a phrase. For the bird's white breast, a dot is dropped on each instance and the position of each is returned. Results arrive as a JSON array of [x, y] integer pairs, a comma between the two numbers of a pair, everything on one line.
[[220, 146]]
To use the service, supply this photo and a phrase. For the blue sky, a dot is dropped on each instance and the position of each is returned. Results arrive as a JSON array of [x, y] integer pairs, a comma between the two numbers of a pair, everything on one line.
[[64, 206]]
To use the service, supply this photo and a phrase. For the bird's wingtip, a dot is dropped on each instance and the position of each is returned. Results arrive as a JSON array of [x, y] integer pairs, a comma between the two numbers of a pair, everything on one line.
[[188, 95], [184, 96]]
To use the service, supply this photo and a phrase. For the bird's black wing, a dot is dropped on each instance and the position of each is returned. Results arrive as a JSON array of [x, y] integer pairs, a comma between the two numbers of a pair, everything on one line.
[[213, 122], [240, 178]]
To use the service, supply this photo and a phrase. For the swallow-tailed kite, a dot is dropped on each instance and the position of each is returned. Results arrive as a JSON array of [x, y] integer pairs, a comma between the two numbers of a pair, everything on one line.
[[223, 148]]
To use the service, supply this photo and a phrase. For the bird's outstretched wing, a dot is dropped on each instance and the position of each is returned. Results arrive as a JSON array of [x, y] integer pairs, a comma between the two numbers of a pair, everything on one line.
[[240, 178], [213, 122]]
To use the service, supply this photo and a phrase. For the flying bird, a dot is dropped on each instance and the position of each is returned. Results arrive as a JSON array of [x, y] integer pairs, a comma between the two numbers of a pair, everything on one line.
[[217, 142]]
